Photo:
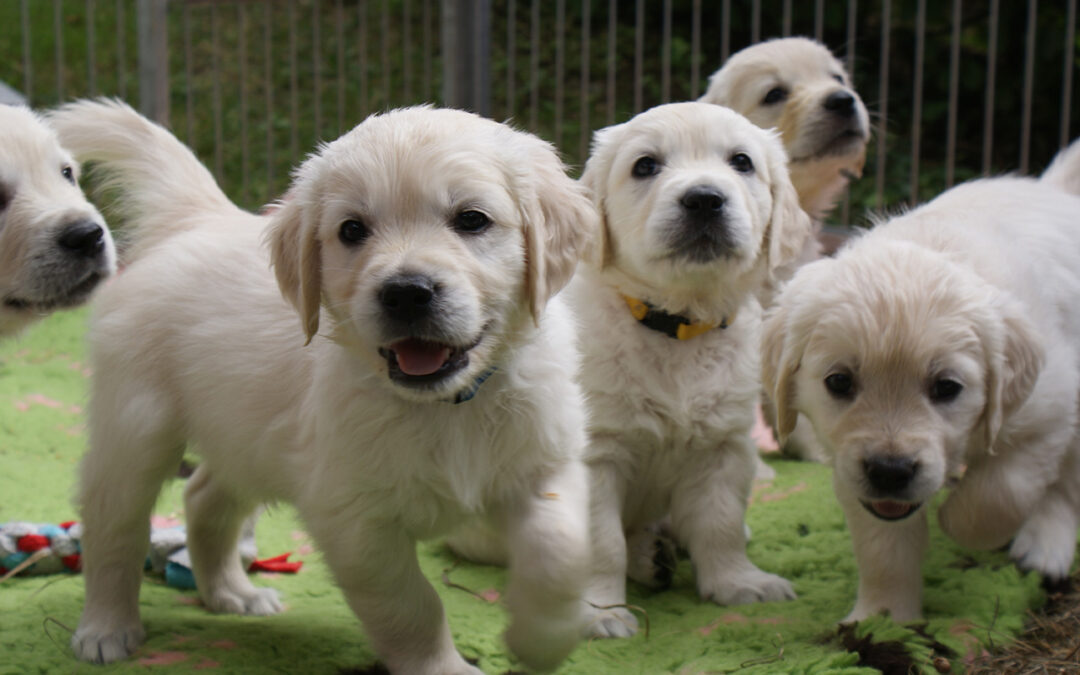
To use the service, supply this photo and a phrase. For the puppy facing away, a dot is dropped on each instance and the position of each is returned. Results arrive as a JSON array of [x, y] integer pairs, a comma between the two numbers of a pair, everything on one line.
[[54, 246], [697, 210], [422, 251], [798, 87], [942, 351]]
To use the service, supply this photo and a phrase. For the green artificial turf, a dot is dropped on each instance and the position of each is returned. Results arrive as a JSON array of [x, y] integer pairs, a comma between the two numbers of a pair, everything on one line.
[[972, 599]]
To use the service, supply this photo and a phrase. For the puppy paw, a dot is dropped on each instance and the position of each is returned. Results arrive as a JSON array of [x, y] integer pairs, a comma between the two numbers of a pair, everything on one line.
[[253, 601], [1047, 546], [651, 559], [617, 622], [542, 644], [747, 587], [105, 647]]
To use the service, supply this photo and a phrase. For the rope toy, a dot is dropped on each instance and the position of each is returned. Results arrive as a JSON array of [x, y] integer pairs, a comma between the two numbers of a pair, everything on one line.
[[41, 548]]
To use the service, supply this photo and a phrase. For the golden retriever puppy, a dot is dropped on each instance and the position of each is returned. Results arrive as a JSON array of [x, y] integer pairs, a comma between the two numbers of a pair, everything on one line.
[[54, 246], [942, 351], [697, 210], [798, 87], [429, 381]]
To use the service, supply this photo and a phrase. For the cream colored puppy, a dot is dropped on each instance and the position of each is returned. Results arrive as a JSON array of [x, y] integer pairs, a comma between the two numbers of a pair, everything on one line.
[[798, 87], [697, 211], [54, 246], [942, 350], [429, 381]]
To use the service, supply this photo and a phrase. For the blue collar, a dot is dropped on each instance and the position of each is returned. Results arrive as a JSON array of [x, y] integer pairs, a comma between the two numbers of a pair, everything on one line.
[[468, 393]]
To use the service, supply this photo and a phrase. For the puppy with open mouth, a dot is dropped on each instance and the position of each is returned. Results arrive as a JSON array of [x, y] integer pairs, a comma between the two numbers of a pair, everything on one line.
[[940, 351], [697, 211], [422, 251], [54, 246]]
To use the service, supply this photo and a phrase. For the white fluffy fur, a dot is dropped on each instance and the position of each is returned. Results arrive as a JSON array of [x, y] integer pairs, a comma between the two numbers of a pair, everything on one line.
[[195, 344], [670, 419], [37, 273], [980, 286]]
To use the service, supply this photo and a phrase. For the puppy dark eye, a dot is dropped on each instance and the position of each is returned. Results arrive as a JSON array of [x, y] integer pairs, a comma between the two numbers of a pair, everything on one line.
[[69, 174], [353, 232], [472, 222], [775, 95], [840, 385], [741, 163], [645, 167], [945, 390], [838, 78]]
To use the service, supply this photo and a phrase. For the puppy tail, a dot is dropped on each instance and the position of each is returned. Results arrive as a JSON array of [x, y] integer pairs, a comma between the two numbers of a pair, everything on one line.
[[1064, 172], [155, 183]]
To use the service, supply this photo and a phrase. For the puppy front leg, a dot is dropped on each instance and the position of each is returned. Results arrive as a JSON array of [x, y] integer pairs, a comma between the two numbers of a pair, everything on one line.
[[889, 559], [547, 537], [607, 576], [707, 513], [1046, 542], [377, 569]]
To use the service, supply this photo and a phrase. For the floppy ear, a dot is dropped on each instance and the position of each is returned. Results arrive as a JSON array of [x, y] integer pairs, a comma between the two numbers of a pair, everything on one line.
[[780, 358], [789, 225], [296, 255], [1014, 362], [597, 169], [560, 222]]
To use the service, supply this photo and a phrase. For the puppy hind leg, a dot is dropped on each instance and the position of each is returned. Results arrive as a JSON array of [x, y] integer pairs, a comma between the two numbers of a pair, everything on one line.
[[707, 513], [214, 519], [652, 555], [119, 483]]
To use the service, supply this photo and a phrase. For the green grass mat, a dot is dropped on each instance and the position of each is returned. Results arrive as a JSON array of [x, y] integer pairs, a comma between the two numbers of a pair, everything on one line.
[[972, 599]]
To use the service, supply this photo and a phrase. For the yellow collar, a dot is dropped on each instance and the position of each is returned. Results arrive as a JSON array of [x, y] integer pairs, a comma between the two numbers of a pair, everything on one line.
[[671, 325]]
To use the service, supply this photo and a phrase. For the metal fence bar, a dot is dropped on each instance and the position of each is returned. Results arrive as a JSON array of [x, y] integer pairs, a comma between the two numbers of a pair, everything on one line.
[[583, 115], [58, 41], [153, 34], [954, 87], [1029, 87], [695, 50], [339, 37], [384, 49], [916, 116], [665, 55], [428, 46], [361, 29], [121, 49], [845, 207], [725, 30], [613, 9], [219, 133], [268, 74], [511, 46], [406, 52], [294, 87], [560, 67], [639, 52], [1067, 74], [28, 66], [316, 69], [534, 65], [819, 20], [883, 104], [755, 21], [245, 150], [189, 85], [991, 81], [785, 22], [91, 54]]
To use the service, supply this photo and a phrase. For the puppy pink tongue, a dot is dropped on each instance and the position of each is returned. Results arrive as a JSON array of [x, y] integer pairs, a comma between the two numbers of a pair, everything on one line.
[[418, 357], [891, 509]]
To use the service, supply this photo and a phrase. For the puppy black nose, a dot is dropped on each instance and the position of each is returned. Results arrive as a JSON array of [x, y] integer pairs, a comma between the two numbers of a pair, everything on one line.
[[83, 237], [840, 103], [889, 473], [703, 202], [407, 297]]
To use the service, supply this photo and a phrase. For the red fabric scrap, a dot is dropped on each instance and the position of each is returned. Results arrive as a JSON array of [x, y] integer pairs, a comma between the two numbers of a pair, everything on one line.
[[73, 562], [28, 543], [67, 524], [276, 564]]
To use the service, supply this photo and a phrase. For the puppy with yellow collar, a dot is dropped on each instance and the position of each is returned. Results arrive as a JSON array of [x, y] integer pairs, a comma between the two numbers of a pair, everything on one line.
[[698, 210]]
